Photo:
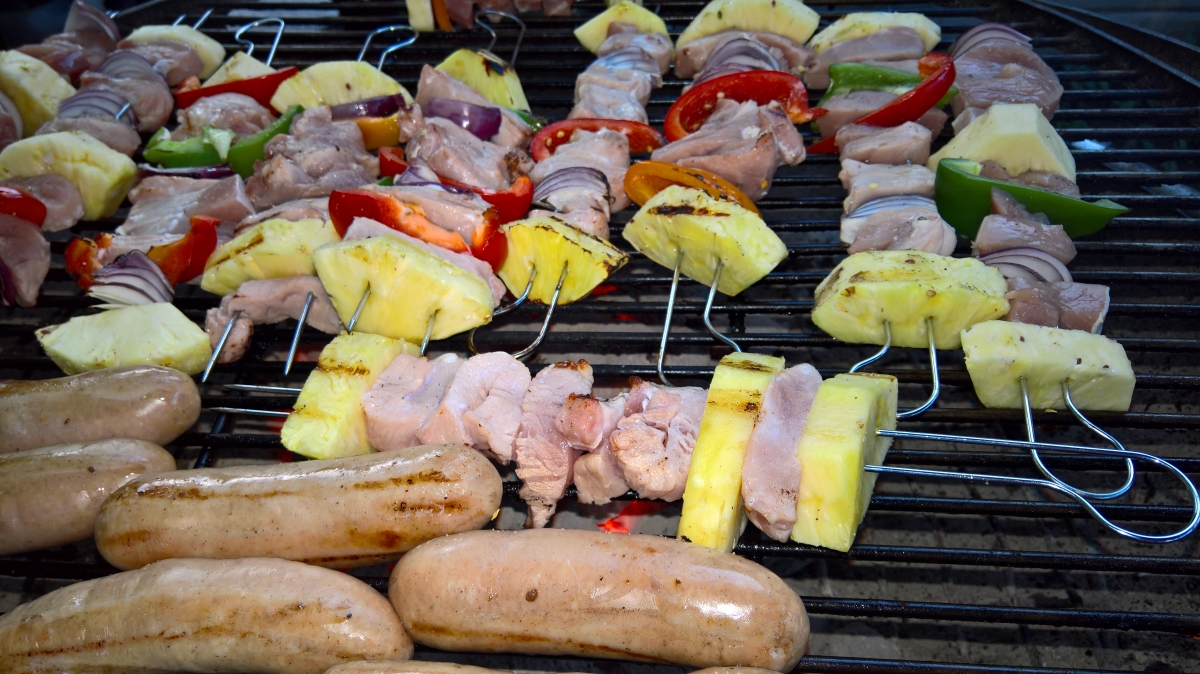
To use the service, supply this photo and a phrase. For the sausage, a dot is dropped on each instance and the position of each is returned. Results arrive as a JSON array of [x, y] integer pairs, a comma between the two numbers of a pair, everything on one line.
[[592, 594], [338, 513], [200, 615], [140, 402], [51, 496], [410, 667]]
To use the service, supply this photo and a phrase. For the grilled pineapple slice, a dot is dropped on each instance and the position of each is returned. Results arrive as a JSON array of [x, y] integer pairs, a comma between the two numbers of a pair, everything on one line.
[[593, 33], [328, 421], [210, 51], [861, 24], [712, 500], [488, 74], [1018, 137], [904, 287], [146, 334], [838, 440], [789, 18], [999, 353], [240, 66], [34, 87], [420, 15], [408, 285], [334, 83], [270, 249], [102, 175], [548, 244], [707, 230]]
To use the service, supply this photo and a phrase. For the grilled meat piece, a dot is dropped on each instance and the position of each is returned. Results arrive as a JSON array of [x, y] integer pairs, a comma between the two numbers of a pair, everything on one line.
[[150, 97], [105, 128], [1071, 306], [455, 153], [1004, 71], [693, 57], [625, 36], [24, 262], [165, 204], [300, 209], [175, 61], [912, 228], [405, 397], [514, 132], [482, 407], [866, 182], [72, 54], [848, 108], [586, 423], [905, 144], [544, 457], [606, 151], [236, 112], [63, 202], [880, 47], [998, 232], [654, 440]]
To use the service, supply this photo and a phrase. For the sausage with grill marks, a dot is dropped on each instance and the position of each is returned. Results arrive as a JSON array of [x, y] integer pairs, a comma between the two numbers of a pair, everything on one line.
[[338, 513], [140, 402], [50, 496], [260, 616], [411, 667], [592, 594]]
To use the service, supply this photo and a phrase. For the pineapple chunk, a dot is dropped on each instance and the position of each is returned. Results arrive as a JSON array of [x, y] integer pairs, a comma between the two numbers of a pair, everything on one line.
[[904, 287], [420, 15], [707, 230], [999, 353], [102, 175], [270, 249], [1018, 137], [146, 334], [210, 51], [334, 83], [593, 33], [408, 285], [861, 24], [712, 500], [789, 18], [838, 440], [34, 87], [488, 74], [328, 420], [240, 66], [549, 244]]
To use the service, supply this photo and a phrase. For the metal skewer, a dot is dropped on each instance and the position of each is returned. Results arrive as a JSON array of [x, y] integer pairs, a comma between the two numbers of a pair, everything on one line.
[[512, 62], [361, 303], [220, 346], [362, 53], [524, 353], [199, 22], [500, 311], [237, 36], [933, 367], [662, 344], [428, 332], [712, 292], [287, 367]]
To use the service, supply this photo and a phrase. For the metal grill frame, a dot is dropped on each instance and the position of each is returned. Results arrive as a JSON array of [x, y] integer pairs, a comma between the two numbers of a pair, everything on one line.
[[1116, 93]]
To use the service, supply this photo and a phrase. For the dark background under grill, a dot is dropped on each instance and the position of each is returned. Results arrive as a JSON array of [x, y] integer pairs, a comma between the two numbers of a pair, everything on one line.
[[945, 576]]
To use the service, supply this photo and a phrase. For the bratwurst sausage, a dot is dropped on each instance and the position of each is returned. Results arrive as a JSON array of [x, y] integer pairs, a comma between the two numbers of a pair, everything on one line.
[[50, 496], [199, 615], [591, 594], [409, 667], [338, 513], [141, 402]]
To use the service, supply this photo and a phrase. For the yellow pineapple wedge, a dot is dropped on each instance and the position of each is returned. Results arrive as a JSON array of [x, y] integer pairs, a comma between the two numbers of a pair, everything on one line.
[[210, 51], [34, 87], [145, 334], [838, 440], [270, 249], [712, 499], [333, 83], [408, 285], [706, 229], [328, 420], [999, 353], [789, 18], [593, 33], [547, 243], [102, 175], [862, 24], [488, 74], [240, 66], [904, 287]]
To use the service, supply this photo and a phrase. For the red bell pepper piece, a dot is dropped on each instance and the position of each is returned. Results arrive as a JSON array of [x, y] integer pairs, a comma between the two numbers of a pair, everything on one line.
[[83, 257], [488, 243], [345, 205], [909, 106], [391, 161], [18, 203], [184, 259], [511, 204], [761, 86], [260, 88], [642, 138]]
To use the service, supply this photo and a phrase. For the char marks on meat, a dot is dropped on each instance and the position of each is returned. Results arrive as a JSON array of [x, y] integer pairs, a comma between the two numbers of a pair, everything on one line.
[[771, 469], [654, 440], [63, 202], [482, 407], [105, 128], [175, 61], [544, 457], [1070, 306], [846, 109], [586, 423], [514, 132], [693, 57], [24, 261], [908, 143], [235, 112], [867, 182], [165, 204], [880, 47], [455, 153], [405, 397], [741, 142]]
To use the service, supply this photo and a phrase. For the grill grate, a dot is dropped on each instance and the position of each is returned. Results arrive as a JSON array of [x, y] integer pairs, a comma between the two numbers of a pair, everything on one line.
[[956, 573]]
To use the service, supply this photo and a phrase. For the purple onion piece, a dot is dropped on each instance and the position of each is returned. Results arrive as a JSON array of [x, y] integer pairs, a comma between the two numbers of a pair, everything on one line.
[[132, 271], [126, 64], [892, 202], [1042, 263], [380, 106], [412, 178], [985, 31], [96, 102], [480, 121], [575, 177], [7, 107], [210, 172], [8, 288], [629, 58], [85, 16], [741, 46], [1013, 270]]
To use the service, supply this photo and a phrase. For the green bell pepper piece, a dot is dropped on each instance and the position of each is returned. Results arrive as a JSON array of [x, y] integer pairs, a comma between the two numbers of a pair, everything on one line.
[[386, 181], [535, 123], [209, 148], [964, 199], [847, 78], [250, 149]]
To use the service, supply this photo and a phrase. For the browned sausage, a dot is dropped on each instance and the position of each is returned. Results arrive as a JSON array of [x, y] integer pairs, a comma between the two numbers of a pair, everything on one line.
[[338, 513], [140, 402], [409, 667], [591, 594], [200, 615], [50, 496]]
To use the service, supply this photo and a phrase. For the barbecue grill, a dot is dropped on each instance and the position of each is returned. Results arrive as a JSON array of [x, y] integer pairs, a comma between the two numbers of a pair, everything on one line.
[[945, 576]]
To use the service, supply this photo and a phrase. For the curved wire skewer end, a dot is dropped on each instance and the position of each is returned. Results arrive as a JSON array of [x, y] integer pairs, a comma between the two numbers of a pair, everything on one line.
[[500, 311], [662, 345], [933, 369], [524, 353], [887, 344], [712, 292], [362, 53], [249, 44], [512, 62]]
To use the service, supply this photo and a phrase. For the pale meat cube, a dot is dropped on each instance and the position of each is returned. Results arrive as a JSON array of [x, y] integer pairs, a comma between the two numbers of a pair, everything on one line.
[[1070, 306], [605, 150], [586, 424], [238, 341], [1043, 180], [234, 112], [905, 144], [105, 128], [453, 152], [910, 228], [655, 45], [605, 93], [997, 233], [165, 204], [693, 57], [25, 255], [482, 407], [1003, 71], [404, 397], [63, 202], [544, 458], [72, 54], [771, 469], [654, 440], [434, 83], [848, 108], [300, 209], [275, 300], [889, 44], [151, 98], [175, 61], [866, 182]]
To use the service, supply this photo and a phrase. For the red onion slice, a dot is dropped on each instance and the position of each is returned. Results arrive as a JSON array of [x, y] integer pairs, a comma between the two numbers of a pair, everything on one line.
[[1011, 271], [132, 278], [85, 16], [480, 121], [130, 65], [630, 58], [200, 172], [1045, 265], [380, 106], [97, 102], [8, 288], [739, 48], [986, 31], [888, 203], [9, 108], [575, 177]]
